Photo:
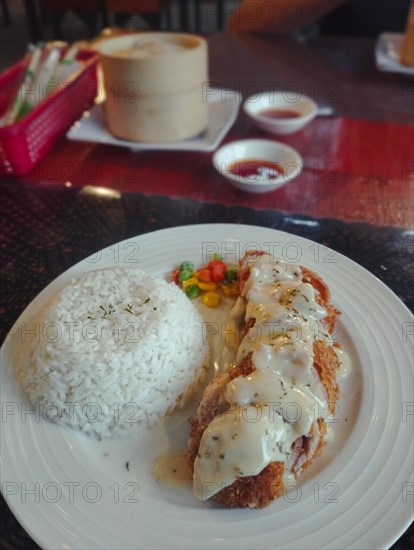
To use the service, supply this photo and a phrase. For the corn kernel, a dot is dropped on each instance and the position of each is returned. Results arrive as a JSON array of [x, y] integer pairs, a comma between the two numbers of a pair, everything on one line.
[[211, 299], [207, 287]]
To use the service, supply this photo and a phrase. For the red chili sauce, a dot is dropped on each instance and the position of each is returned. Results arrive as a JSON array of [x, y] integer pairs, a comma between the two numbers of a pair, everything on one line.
[[256, 169], [279, 114]]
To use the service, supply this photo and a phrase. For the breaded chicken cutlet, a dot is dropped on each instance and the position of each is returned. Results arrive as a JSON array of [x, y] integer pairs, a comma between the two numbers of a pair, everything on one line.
[[264, 419]]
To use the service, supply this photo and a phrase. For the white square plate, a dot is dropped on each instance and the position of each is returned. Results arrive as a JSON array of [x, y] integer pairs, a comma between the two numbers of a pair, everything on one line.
[[223, 108], [387, 54]]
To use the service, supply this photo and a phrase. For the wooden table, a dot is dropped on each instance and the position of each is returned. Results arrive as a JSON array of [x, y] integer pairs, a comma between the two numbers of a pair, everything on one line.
[[359, 163]]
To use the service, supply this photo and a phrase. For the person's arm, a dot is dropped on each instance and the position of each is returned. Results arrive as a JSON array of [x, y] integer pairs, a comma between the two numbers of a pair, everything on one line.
[[279, 16]]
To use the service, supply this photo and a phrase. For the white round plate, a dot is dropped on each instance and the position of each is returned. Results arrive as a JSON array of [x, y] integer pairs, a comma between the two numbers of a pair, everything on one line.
[[70, 491]]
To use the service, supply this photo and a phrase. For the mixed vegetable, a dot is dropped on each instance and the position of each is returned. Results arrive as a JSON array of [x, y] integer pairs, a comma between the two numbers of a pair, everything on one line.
[[211, 281]]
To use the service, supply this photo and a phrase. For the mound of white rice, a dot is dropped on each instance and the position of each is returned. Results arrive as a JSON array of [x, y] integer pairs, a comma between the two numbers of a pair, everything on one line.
[[117, 350]]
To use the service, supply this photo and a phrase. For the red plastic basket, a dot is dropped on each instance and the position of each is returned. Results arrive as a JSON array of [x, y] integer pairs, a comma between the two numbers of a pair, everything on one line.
[[25, 143]]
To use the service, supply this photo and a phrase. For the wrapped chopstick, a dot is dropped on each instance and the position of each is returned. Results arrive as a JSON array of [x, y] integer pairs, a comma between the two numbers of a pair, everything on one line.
[[46, 67], [29, 76]]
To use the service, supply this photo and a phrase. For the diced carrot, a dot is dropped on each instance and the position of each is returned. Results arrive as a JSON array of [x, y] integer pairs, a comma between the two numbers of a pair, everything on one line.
[[204, 275]]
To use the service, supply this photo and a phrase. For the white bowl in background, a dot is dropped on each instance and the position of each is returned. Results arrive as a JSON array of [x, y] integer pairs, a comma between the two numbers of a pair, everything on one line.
[[258, 150], [304, 106]]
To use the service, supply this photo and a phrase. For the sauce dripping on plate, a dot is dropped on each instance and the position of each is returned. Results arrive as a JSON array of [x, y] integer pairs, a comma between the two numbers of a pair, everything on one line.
[[173, 470]]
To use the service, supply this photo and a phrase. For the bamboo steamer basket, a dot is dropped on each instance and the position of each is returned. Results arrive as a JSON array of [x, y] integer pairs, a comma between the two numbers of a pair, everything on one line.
[[154, 86]]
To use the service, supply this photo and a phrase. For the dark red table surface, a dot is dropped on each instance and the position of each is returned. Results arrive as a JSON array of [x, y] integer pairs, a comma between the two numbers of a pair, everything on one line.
[[359, 163]]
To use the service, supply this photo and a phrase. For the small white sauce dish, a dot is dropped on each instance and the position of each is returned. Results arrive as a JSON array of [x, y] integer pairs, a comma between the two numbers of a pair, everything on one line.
[[304, 107], [248, 153]]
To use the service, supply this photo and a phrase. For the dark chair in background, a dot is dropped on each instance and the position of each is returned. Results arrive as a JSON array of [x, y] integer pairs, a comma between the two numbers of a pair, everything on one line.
[[191, 13], [92, 12], [96, 14], [201, 10], [366, 18], [150, 10], [5, 13], [219, 8]]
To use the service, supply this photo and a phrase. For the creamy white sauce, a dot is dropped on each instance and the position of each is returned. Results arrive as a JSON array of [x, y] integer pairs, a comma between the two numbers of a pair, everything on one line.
[[265, 270], [239, 310], [289, 478], [224, 455], [295, 403], [222, 337], [281, 399], [345, 363], [330, 435]]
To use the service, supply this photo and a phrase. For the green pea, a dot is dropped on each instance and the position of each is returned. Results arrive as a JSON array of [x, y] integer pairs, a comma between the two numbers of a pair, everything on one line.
[[184, 275], [187, 266], [231, 275], [192, 291]]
